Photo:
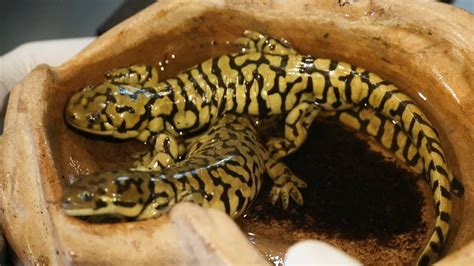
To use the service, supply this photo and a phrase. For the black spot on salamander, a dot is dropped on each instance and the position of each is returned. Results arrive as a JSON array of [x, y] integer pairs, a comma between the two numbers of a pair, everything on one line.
[[437, 206], [163, 206], [122, 108], [333, 64], [93, 117], [125, 183], [122, 128], [425, 260], [166, 145], [127, 204], [241, 200], [162, 194], [216, 70], [307, 65], [338, 102], [445, 193], [435, 185], [102, 127], [149, 74], [434, 247], [110, 97], [439, 233], [146, 116], [109, 118], [100, 204], [445, 217], [441, 170]]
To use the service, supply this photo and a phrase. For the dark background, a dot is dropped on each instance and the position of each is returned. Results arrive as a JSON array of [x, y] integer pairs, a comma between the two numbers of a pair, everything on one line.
[[31, 20]]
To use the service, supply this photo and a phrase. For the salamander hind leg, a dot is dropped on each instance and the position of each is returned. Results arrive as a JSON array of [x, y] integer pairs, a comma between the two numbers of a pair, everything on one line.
[[297, 123], [253, 41], [285, 184]]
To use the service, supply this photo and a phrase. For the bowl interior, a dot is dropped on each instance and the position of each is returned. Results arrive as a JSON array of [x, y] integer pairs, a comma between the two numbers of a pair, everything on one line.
[[207, 34]]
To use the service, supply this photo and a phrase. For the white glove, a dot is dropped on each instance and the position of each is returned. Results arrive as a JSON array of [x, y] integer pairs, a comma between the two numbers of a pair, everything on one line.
[[15, 64], [313, 252]]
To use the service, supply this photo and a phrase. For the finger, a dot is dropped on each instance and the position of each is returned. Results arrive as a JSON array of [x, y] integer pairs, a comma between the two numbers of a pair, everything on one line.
[[274, 194], [253, 35], [245, 43], [285, 199], [298, 182], [296, 196]]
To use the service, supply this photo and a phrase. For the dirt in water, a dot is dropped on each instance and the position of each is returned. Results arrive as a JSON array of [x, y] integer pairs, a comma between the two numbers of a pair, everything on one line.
[[356, 199]]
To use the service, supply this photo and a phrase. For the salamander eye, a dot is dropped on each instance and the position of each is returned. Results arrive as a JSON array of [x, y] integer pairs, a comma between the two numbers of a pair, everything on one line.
[[86, 196], [93, 117]]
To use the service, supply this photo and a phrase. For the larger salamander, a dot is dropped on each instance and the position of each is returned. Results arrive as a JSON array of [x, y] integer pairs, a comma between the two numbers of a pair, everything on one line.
[[267, 78]]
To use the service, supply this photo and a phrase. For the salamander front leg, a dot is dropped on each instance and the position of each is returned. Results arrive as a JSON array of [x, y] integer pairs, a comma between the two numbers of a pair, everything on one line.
[[253, 41], [165, 151], [134, 75], [285, 184]]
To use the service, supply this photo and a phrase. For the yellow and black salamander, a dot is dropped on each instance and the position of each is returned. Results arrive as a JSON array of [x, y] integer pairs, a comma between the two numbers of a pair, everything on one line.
[[223, 169]]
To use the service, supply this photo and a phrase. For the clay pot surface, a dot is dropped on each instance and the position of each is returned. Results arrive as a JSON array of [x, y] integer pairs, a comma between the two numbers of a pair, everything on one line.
[[425, 48]]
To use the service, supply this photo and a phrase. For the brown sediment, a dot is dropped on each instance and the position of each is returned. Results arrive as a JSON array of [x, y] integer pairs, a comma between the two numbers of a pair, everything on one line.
[[356, 199]]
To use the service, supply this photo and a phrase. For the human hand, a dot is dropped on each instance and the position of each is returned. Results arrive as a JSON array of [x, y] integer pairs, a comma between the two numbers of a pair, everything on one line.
[[313, 252], [17, 63]]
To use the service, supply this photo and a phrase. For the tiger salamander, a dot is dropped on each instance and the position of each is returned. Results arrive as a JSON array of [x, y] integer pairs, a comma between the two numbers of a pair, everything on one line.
[[223, 169]]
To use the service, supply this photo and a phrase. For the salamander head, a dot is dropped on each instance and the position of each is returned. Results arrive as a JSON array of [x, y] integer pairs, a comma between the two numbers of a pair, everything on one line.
[[134, 75], [107, 109], [108, 193], [277, 47], [265, 44]]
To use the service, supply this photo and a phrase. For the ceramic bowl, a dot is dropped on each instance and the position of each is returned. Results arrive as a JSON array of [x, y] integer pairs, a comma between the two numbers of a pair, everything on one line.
[[425, 48]]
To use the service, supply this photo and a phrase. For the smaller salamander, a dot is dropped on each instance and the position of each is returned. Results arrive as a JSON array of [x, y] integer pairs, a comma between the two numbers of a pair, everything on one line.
[[223, 169]]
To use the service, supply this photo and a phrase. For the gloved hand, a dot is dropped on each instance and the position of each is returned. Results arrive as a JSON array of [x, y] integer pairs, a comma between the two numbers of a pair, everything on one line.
[[15, 64], [313, 252]]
